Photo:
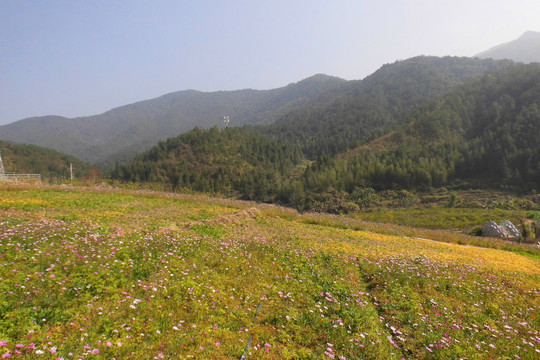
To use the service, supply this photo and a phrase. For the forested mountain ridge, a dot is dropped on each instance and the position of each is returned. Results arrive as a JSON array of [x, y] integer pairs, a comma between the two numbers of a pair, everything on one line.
[[32, 159], [369, 108], [484, 134], [119, 134], [481, 134], [323, 114], [231, 161]]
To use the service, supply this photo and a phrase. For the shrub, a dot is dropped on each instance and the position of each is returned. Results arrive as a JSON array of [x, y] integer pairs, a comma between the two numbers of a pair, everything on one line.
[[364, 197], [335, 202], [477, 231], [404, 199]]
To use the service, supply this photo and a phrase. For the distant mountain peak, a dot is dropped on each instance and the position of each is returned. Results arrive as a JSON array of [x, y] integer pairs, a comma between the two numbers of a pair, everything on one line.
[[524, 49], [530, 35], [320, 78]]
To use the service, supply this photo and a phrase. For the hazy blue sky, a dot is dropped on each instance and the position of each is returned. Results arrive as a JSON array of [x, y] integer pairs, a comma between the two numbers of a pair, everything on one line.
[[76, 58]]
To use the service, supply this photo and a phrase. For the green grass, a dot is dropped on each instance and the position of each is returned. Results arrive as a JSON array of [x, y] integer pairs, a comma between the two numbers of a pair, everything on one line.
[[104, 274], [459, 219]]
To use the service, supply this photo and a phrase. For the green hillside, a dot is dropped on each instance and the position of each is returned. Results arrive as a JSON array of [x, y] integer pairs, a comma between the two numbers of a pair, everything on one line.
[[232, 161], [31, 159], [144, 275], [369, 108], [484, 134]]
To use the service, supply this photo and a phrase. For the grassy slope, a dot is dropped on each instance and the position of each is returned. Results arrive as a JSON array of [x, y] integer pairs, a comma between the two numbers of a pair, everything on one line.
[[147, 275]]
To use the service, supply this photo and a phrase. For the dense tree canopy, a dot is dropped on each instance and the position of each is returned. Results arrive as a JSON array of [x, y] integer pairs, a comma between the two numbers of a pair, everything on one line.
[[233, 161], [484, 133]]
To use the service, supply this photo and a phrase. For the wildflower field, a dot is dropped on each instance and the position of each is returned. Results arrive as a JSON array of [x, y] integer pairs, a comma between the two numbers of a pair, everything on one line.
[[103, 274]]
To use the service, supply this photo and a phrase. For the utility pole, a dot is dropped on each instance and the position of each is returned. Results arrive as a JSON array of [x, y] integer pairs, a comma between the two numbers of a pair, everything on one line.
[[71, 171], [2, 171]]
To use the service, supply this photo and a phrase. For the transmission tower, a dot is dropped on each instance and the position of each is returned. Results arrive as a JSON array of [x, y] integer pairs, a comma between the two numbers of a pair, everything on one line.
[[226, 120]]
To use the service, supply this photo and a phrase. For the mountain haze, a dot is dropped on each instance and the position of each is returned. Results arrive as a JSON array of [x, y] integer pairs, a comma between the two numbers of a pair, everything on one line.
[[322, 114], [120, 133], [524, 49], [368, 108]]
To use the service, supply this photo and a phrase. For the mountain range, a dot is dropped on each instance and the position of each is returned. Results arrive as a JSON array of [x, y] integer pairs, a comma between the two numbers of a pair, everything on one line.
[[416, 123], [323, 114], [481, 134], [119, 134], [326, 114]]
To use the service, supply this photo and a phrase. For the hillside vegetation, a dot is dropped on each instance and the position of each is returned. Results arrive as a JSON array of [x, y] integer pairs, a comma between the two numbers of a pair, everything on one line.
[[30, 159], [483, 134], [231, 161], [130, 274], [480, 135], [371, 107]]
